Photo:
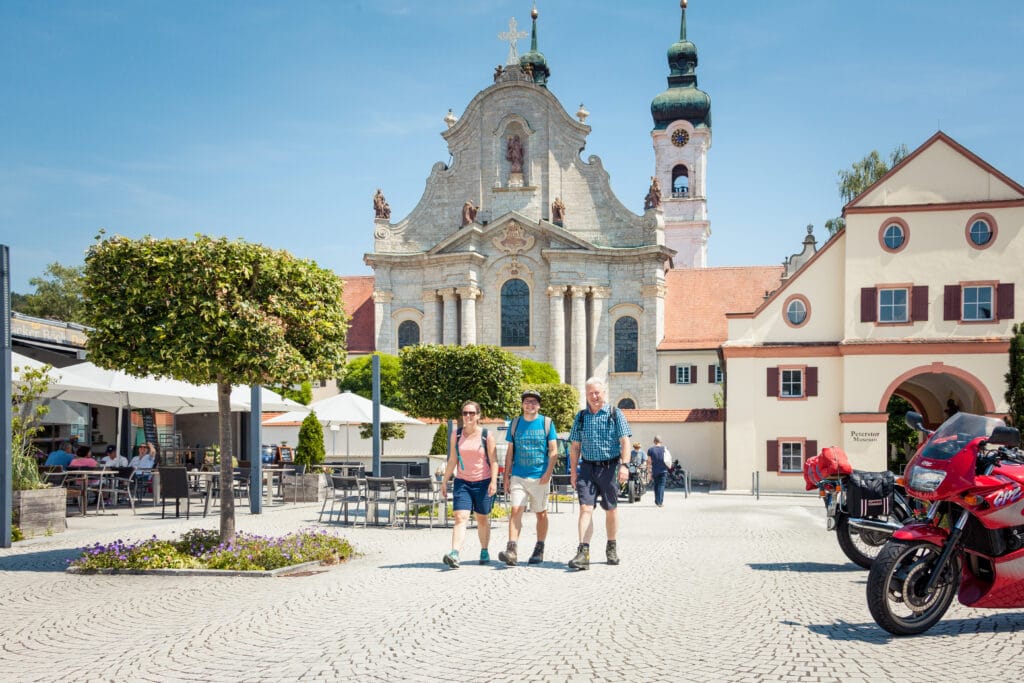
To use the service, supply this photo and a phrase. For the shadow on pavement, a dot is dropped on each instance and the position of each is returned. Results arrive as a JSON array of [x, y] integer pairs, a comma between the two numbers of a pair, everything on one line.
[[41, 561], [870, 632], [807, 567]]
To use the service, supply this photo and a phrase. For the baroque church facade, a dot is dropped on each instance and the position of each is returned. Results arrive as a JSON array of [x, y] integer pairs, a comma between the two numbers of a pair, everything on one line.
[[519, 230]]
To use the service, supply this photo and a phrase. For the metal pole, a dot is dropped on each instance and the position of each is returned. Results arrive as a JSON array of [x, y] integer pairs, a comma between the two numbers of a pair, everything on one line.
[[6, 491], [376, 415], [255, 450]]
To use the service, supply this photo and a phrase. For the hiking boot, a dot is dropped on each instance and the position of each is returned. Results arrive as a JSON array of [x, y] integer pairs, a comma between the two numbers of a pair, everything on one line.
[[452, 559], [508, 555], [582, 559], [538, 554], [612, 553], [485, 557]]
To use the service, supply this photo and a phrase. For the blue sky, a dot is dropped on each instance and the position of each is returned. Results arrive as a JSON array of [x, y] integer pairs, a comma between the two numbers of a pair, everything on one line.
[[276, 121]]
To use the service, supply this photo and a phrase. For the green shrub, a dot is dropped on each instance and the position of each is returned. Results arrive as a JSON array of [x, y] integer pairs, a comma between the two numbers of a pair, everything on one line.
[[310, 450], [439, 446]]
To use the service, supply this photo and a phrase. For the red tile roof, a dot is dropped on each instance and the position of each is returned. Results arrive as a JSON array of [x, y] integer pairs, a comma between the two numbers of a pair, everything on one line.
[[358, 299], [697, 300]]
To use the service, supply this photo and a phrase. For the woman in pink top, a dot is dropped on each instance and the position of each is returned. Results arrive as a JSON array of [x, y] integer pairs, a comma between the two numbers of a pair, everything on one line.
[[472, 459], [83, 458]]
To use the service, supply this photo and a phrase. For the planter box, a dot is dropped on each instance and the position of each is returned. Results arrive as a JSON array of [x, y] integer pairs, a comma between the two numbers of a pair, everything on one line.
[[41, 511], [306, 490]]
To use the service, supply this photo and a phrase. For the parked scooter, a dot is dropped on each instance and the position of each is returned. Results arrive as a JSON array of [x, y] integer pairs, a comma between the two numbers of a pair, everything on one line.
[[971, 544]]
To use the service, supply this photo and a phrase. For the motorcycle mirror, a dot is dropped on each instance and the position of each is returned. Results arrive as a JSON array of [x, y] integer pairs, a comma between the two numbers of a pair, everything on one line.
[[914, 421], [1005, 436]]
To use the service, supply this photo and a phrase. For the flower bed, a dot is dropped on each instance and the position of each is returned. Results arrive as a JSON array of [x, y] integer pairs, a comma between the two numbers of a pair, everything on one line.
[[201, 549]]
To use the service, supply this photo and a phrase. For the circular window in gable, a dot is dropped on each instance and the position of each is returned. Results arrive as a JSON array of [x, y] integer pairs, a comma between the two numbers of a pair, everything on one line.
[[981, 230], [796, 310], [893, 235]]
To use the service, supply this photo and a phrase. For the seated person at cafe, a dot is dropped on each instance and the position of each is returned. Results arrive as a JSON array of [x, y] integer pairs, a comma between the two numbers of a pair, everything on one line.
[[61, 457], [112, 459], [83, 459], [144, 460]]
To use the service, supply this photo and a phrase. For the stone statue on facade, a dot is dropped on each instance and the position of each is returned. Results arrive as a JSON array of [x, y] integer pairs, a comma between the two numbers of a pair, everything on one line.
[[514, 153], [528, 70], [381, 209], [653, 198], [557, 211], [498, 71], [469, 213]]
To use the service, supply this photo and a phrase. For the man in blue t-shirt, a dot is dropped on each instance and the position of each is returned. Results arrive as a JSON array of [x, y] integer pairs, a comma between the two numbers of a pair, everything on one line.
[[61, 457], [529, 461]]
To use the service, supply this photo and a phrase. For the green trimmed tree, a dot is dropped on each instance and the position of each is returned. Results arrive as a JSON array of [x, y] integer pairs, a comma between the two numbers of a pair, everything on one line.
[[1015, 377], [439, 445], [437, 380], [535, 372], [900, 437], [213, 310], [310, 451], [359, 379]]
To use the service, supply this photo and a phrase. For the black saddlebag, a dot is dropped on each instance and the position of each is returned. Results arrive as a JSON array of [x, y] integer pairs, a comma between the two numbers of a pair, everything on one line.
[[870, 494]]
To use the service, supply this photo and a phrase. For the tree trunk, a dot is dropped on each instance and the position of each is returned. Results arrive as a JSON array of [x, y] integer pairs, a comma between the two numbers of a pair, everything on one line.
[[227, 489]]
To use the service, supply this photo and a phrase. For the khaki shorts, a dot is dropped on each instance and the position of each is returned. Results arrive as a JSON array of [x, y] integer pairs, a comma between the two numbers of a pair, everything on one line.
[[522, 490]]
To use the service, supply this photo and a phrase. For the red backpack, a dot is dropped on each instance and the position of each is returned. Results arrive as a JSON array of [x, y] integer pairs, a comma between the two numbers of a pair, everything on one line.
[[831, 462]]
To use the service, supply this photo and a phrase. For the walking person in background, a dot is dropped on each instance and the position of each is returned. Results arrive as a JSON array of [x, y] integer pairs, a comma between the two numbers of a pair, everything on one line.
[[600, 438], [529, 462], [472, 459], [660, 460]]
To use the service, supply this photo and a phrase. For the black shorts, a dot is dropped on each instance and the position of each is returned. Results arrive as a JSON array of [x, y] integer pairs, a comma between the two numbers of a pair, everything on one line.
[[599, 479]]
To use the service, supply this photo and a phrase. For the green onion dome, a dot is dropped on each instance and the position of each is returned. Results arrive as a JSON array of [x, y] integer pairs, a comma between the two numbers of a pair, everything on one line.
[[683, 100]]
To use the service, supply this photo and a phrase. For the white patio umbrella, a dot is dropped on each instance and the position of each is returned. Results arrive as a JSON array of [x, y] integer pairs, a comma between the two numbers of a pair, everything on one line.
[[344, 409], [269, 400]]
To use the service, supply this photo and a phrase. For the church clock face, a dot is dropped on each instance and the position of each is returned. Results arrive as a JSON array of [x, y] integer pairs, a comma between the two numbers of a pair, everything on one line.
[[680, 138]]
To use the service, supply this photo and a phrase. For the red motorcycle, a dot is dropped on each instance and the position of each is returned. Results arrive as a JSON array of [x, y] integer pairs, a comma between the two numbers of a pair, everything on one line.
[[971, 543]]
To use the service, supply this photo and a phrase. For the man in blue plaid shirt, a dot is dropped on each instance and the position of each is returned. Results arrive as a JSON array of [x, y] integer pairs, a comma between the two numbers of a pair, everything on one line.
[[600, 434]]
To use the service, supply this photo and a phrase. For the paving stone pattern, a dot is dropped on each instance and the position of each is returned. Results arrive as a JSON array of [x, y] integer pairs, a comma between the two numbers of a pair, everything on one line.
[[711, 588]]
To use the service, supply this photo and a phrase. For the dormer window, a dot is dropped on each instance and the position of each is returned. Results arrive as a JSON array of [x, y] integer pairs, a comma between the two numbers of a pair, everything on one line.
[[680, 182]]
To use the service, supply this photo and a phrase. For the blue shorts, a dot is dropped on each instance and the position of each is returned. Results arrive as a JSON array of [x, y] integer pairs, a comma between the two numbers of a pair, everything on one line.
[[472, 495], [599, 479]]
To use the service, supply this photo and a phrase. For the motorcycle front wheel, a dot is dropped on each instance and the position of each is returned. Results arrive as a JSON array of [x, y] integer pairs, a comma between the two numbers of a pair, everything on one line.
[[862, 547], [896, 587]]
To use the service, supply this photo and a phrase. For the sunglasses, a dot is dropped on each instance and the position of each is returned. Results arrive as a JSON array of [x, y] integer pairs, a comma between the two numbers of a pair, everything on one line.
[[468, 412]]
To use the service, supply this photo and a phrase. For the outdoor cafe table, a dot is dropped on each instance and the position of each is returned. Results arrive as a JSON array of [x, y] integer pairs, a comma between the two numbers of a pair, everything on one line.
[[81, 478], [212, 478]]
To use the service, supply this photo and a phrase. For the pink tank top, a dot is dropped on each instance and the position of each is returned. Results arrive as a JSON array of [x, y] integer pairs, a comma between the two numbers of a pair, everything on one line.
[[475, 465]]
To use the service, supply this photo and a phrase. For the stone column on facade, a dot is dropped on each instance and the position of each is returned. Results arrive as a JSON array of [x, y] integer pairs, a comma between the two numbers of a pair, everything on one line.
[[556, 328], [579, 340], [652, 327], [382, 321], [450, 331], [599, 328], [468, 296], [430, 334]]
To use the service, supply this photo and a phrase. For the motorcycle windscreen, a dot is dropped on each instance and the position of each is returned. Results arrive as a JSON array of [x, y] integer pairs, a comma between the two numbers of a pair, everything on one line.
[[956, 432]]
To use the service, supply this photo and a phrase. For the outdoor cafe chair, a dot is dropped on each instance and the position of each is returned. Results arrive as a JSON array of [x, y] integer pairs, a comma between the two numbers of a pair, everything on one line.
[[344, 491], [122, 485], [382, 491], [174, 484], [561, 485], [419, 493]]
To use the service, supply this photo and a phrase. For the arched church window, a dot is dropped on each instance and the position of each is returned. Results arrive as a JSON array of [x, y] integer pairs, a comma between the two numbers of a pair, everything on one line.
[[408, 334], [627, 404], [626, 340], [680, 181], [515, 313]]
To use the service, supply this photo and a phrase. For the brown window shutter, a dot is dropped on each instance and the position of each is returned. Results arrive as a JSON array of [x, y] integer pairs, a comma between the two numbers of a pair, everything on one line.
[[773, 456], [868, 304], [810, 449], [711, 374], [693, 374], [1004, 301], [773, 381], [811, 381], [951, 302], [671, 374], [919, 304]]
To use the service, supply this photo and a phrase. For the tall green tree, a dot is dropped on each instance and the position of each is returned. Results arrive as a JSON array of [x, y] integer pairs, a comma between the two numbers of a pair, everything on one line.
[[213, 310], [901, 438], [303, 395], [358, 379], [58, 295], [862, 175], [310, 450], [1015, 377], [437, 379]]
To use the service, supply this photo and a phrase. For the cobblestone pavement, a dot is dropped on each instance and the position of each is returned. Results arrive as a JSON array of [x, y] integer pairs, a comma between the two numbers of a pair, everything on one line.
[[714, 587]]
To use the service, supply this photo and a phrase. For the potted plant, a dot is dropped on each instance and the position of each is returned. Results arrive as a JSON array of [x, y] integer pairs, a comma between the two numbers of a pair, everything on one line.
[[37, 508], [304, 485]]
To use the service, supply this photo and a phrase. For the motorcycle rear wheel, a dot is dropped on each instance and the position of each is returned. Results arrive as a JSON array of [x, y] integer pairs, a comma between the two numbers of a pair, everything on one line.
[[862, 547], [895, 588]]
